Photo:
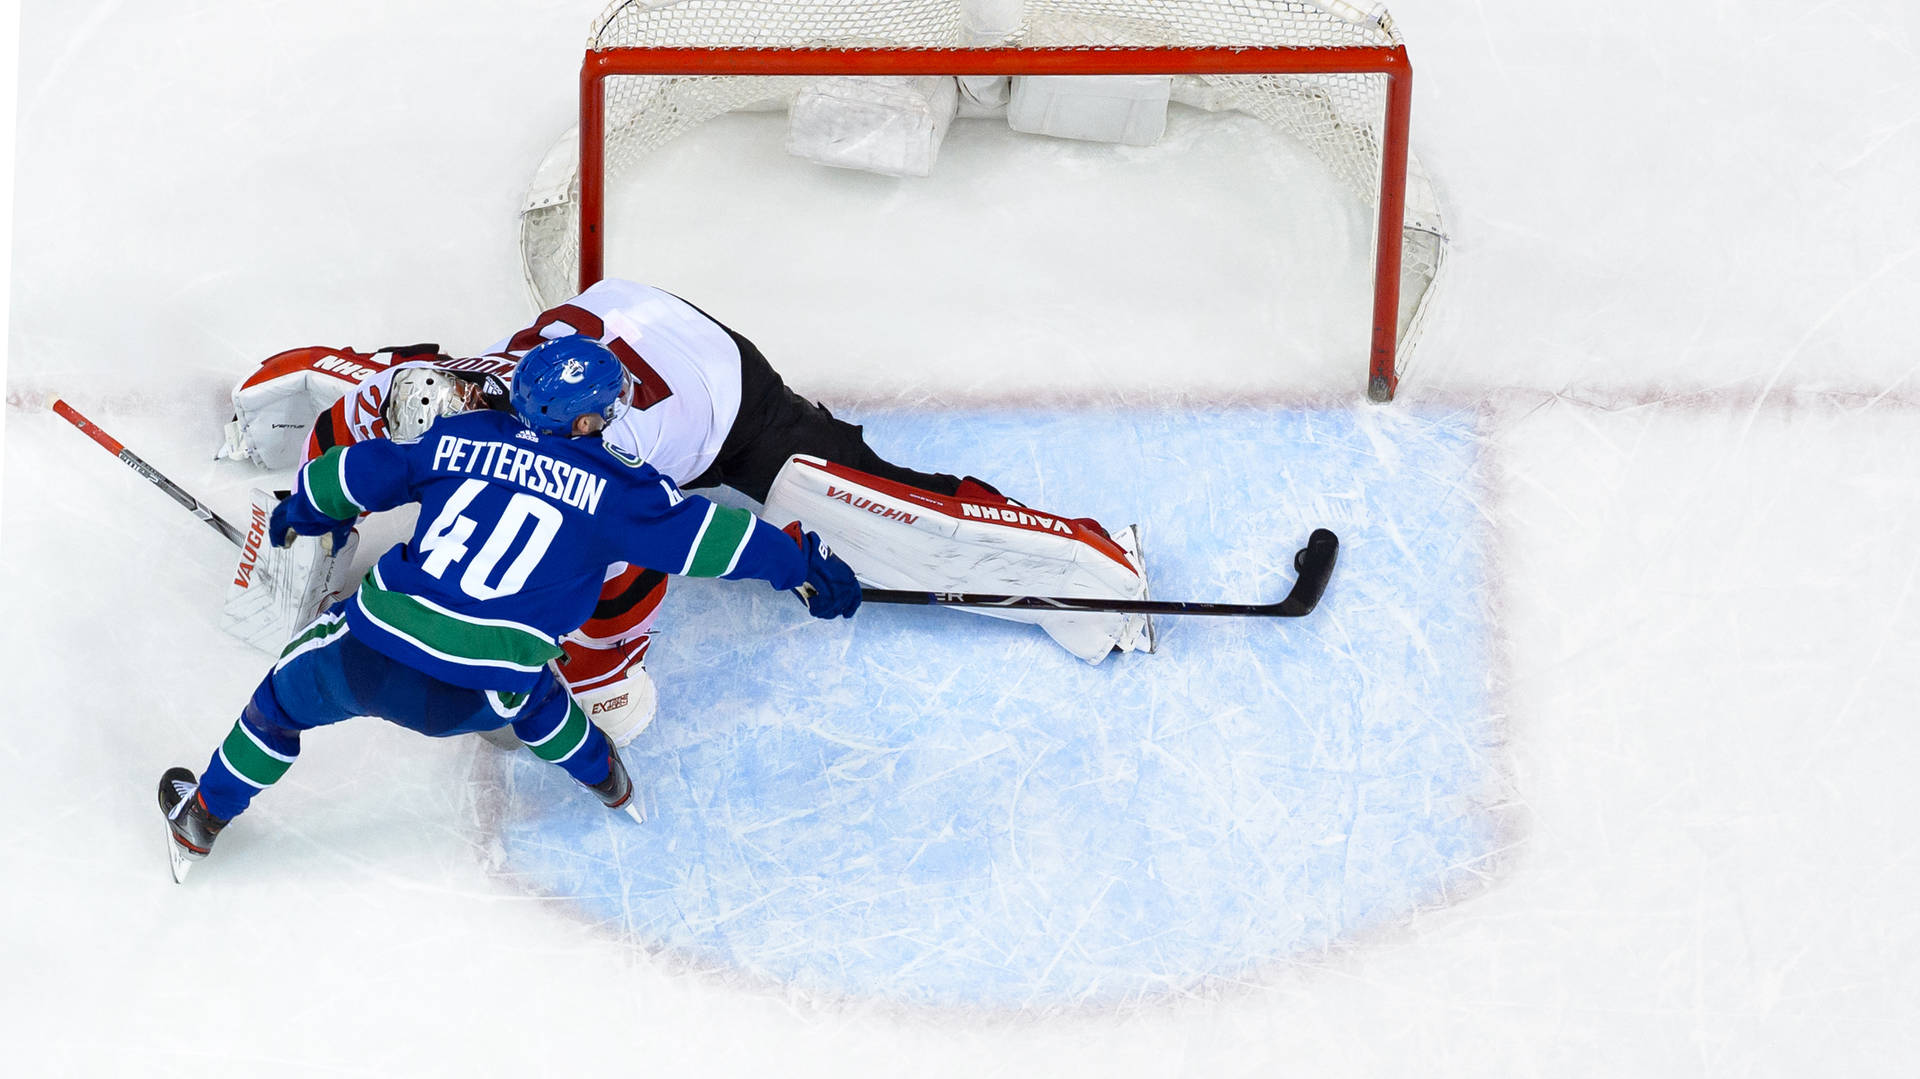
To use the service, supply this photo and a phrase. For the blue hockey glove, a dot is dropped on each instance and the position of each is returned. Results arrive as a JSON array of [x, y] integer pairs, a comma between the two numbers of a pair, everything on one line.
[[294, 516], [831, 590]]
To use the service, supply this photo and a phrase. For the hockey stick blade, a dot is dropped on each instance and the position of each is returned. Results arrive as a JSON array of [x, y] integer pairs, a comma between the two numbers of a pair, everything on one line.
[[1314, 563]]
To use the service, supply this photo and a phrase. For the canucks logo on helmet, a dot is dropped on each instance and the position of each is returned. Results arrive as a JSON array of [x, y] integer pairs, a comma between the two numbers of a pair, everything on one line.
[[566, 378]]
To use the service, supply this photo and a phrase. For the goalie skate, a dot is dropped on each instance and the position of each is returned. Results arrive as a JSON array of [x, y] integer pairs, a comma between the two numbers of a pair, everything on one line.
[[1139, 634]]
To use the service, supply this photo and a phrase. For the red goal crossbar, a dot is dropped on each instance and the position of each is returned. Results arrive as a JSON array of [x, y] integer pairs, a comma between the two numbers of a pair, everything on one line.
[[1391, 62]]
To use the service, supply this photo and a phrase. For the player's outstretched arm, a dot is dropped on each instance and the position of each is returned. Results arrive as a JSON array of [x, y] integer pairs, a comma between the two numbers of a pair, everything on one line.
[[693, 537]]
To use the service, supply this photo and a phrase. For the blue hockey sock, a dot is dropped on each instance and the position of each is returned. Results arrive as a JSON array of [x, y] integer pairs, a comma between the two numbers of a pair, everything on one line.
[[255, 754], [567, 739]]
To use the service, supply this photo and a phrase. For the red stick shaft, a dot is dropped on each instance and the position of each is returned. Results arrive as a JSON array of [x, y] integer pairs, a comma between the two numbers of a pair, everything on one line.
[[88, 427], [153, 475]]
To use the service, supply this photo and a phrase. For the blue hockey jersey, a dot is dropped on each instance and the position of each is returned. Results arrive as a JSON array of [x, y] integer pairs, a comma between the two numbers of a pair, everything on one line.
[[516, 530]]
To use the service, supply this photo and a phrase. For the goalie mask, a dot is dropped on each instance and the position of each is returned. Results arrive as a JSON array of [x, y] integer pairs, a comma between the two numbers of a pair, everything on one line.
[[421, 395]]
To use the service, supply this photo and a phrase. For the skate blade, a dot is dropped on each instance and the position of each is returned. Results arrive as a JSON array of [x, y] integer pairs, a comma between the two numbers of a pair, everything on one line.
[[632, 809], [179, 860]]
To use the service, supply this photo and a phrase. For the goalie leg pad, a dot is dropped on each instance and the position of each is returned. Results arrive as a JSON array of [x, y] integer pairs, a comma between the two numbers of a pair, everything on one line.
[[276, 591], [611, 686], [896, 536], [603, 668]]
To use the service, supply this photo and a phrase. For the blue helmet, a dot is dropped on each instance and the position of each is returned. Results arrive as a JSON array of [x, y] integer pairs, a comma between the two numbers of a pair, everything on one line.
[[565, 378]]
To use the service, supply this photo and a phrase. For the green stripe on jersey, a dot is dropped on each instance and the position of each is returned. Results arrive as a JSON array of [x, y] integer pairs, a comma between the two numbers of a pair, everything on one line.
[[453, 637], [718, 547], [316, 634], [506, 705], [327, 486], [566, 739], [252, 761]]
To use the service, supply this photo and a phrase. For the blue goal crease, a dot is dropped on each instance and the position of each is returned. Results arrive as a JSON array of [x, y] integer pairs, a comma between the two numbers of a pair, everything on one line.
[[935, 808]]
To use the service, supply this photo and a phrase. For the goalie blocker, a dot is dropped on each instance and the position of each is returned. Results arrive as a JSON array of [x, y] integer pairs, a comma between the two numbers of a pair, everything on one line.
[[895, 536]]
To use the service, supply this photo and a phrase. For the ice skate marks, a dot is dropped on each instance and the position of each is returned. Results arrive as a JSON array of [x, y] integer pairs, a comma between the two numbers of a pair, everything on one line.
[[945, 810]]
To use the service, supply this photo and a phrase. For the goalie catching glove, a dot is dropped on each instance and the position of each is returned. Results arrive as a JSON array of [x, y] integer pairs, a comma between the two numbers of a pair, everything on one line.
[[284, 581]]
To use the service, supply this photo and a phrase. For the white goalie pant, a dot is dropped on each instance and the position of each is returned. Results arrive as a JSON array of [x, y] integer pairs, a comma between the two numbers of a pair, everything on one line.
[[276, 591], [896, 536]]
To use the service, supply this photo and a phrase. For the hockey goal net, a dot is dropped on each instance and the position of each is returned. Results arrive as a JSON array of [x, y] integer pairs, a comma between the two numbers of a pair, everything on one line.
[[1328, 73]]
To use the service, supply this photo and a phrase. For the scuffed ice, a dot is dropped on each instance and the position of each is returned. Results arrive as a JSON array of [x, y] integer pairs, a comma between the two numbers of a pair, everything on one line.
[[935, 808]]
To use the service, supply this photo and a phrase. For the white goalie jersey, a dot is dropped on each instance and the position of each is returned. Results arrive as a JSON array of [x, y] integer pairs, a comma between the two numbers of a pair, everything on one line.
[[685, 368]]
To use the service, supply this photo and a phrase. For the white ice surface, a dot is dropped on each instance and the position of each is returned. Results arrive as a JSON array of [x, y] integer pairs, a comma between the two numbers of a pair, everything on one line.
[[1680, 294]]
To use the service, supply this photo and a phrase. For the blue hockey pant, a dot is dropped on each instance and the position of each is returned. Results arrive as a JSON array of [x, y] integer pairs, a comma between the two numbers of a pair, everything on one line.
[[326, 676]]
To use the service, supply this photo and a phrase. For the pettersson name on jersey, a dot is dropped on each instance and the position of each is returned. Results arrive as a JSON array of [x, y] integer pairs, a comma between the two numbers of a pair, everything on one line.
[[536, 472]]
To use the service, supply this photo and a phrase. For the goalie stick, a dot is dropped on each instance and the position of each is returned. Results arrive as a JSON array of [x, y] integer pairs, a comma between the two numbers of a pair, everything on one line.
[[153, 475], [1313, 563]]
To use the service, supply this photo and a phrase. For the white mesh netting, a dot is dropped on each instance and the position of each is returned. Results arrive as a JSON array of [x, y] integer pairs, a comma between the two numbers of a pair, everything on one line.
[[1339, 116]]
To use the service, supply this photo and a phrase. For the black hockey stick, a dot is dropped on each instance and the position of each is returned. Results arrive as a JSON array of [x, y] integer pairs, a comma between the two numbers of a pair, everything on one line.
[[1313, 563], [153, 475]]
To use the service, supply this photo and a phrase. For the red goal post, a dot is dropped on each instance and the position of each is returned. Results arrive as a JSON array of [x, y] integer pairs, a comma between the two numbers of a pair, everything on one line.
[[1273, 81]]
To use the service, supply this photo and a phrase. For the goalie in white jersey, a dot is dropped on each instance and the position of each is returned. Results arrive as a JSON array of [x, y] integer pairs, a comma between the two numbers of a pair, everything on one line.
[[708, 410]]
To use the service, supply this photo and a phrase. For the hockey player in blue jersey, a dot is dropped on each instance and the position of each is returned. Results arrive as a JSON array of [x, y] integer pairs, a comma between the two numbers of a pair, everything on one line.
[[455, 630], [708, 410]]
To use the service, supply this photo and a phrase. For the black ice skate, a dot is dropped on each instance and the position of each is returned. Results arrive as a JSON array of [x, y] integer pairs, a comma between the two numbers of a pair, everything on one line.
[[616, 791], [191, 830]]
